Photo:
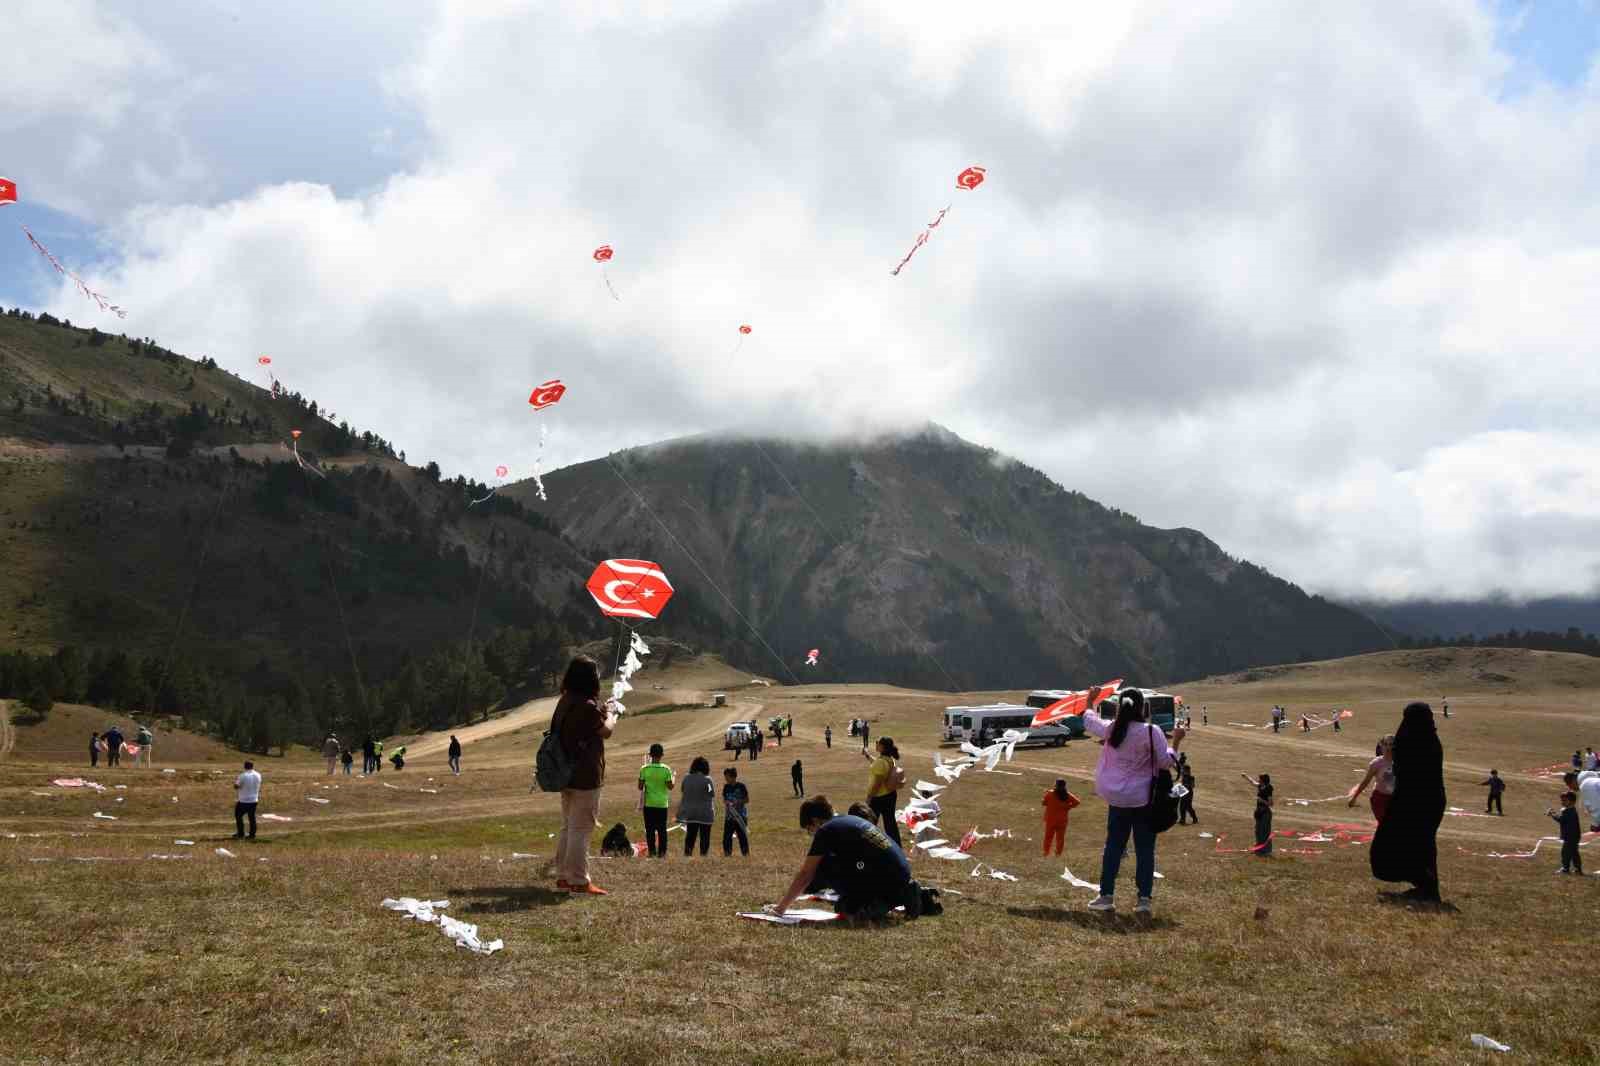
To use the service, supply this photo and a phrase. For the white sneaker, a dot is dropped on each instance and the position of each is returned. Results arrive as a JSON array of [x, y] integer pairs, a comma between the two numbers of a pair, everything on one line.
[[1102, 903], [1144, 905]]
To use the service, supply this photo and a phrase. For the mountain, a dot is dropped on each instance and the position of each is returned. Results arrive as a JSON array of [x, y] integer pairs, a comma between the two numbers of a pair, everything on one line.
[[1484, 617], [165, 548], [926, 560]]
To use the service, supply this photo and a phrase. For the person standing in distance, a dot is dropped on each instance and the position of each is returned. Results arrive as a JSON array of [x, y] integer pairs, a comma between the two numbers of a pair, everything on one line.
[[455, 755], [247, 788]]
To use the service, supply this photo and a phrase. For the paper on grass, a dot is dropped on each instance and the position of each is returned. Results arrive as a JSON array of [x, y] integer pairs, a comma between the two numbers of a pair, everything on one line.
[[185, 843], [105, 817], [1077, 882], [318, 799], [792, 916], [465, 934], [276, 818], [1488, 1043], [226, 854]]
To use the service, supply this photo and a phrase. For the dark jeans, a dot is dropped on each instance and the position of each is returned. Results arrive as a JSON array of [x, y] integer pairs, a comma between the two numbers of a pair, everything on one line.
[[1120, 823], [697, 829], [1570, 859], [736, 753], [113, 757], [730, 829], [455, 764], [655, 831], [799, 784], [883, 807], [1263, 831], [827, 739], [1186, 810], [1494, 805], [240, 810], [94, 756]]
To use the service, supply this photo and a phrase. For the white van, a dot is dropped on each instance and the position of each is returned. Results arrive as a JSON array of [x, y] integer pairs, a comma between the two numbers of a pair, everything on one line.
[[985, 724], [738, 736]]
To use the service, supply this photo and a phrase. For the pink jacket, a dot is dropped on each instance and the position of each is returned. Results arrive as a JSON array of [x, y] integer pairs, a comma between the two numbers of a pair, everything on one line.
[[1123, 776]]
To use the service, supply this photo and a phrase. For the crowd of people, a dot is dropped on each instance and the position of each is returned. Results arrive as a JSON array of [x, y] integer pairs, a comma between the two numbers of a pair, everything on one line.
[[1144, 779]]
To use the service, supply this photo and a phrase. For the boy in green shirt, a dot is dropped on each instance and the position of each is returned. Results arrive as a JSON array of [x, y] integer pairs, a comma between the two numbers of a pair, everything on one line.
[[655, 787]]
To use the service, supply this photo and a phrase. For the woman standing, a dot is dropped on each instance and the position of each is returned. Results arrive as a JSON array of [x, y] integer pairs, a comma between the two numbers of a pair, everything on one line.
[[1133, 753], [1380, 775], [1406, 846], [695, 808], [882, 787], [583, 728]]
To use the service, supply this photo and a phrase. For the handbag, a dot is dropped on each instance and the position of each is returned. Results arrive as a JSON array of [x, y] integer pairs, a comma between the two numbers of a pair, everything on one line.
[[1161, 812]]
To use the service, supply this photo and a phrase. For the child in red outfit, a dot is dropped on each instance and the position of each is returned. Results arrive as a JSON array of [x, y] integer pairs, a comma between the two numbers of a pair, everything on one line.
[[1057, 803]]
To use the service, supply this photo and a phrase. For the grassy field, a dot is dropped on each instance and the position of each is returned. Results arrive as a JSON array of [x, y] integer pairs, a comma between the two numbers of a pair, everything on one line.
[[282, 954]]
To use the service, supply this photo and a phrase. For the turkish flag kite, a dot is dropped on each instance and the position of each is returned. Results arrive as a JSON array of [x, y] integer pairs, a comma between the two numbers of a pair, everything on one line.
[[8, 191], [811, 656], [1076, 703], [629, 588], [548, 393]]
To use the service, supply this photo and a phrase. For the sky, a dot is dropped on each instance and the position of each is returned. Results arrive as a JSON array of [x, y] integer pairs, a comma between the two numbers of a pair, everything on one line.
[[1317, 280]]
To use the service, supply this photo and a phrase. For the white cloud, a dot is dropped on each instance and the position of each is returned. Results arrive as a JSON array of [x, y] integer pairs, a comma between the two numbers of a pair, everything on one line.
[[1303, 279]]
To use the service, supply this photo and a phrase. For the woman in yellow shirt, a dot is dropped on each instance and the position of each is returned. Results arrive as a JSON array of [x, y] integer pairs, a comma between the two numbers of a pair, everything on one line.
[[881, 787]]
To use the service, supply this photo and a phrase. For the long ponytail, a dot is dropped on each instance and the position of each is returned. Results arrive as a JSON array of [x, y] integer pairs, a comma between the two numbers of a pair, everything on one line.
[[1130, 709]]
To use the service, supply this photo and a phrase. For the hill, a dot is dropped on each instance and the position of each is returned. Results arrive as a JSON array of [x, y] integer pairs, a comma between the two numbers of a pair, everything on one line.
[[164, 551], [928, 561]]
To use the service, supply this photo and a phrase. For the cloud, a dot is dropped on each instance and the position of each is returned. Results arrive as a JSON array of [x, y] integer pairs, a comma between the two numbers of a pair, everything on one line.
[[1311, 284]]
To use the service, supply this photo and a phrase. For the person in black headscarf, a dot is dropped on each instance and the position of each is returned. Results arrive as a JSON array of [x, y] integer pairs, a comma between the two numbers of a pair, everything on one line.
[[1405, 847]]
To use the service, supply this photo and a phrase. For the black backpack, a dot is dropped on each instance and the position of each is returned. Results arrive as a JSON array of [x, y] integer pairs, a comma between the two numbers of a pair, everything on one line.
[[1162, 809], [552, 767]]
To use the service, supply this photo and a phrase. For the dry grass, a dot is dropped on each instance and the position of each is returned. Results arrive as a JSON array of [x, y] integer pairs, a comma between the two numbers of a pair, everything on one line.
[[292, 961]]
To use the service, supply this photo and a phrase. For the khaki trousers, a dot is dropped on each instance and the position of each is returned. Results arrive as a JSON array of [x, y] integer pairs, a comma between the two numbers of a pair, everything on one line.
[[580, 810]]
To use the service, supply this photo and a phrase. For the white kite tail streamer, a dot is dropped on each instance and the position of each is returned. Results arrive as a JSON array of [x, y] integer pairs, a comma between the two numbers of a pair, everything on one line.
[[538, 459], [620, 687]]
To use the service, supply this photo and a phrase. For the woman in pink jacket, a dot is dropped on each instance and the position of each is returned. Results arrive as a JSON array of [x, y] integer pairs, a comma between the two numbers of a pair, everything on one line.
[[1134, 752]]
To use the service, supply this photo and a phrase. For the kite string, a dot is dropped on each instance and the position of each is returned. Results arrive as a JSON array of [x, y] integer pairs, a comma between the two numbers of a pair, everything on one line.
[[837, 543], [355, 667], [472, 626], [188, 600], [709, 580]]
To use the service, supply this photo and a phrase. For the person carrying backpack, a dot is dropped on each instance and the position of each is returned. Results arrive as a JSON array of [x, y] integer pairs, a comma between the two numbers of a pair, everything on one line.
[[884, 781], [1126, 777]]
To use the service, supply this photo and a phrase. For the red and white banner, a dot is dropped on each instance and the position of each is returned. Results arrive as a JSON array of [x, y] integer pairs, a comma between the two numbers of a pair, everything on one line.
[[8, 191]]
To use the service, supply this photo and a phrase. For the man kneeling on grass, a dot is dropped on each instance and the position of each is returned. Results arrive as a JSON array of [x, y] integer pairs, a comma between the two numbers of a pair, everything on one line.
[[854, 858]]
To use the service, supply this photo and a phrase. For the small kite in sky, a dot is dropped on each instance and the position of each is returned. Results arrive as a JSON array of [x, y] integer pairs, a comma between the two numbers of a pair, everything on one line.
[[744, 331], [8, 191], [629, 588], [602, 255], [103, 303], [500, 473], [294, 435], [968, 180], [547, 394], [811, 656]]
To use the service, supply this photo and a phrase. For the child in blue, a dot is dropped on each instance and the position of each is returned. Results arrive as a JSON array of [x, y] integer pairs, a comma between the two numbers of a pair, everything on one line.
[[1571, 833]]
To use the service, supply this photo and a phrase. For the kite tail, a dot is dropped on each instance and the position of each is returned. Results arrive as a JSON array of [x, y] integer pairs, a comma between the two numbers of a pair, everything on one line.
[[103, 303]]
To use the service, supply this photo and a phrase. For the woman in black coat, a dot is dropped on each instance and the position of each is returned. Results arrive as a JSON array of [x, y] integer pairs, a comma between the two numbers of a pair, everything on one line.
[[1405, 847]]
